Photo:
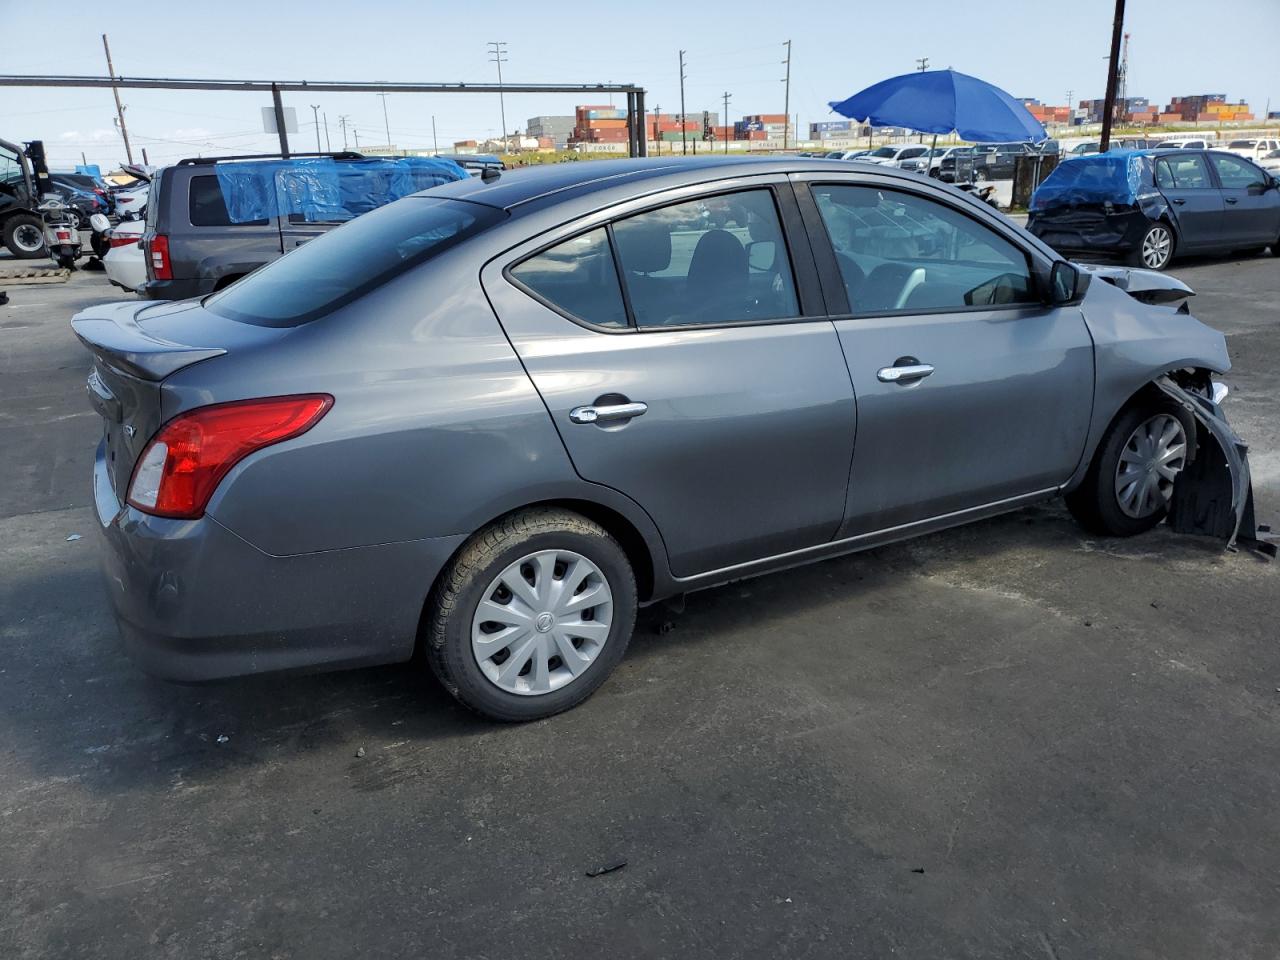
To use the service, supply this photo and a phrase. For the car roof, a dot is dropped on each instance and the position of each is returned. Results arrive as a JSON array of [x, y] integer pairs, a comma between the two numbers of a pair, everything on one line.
[[523, 185]]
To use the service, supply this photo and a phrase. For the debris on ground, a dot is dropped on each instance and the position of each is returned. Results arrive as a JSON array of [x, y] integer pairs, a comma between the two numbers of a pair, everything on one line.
[[606, 868], [360, 752], [223, 738], [74, 537]]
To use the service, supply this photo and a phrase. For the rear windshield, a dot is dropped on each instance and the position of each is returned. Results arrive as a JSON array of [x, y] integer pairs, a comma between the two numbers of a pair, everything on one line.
[[1242, 144], [349, 261]]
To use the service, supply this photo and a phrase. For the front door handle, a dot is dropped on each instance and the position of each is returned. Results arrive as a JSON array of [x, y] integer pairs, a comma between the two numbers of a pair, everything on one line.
[[1179, 201], [1232, 200], [607, 413], [904, 372]]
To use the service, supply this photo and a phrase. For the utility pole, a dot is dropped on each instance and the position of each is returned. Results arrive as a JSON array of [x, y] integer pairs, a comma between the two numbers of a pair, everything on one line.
[[725, 97], [657, 136], [111, 71], [435, 144], [1113, 78], [342, 122], [922, 64], [386, 125], [684, 144], [786, 101], [356, 134], [315, 113], [498, 55], [327, 145], [280, 127]]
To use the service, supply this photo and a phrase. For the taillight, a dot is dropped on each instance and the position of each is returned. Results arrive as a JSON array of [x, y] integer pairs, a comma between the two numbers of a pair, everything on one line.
[[128, 240], [63, 235], [184, 463], [158, 257]]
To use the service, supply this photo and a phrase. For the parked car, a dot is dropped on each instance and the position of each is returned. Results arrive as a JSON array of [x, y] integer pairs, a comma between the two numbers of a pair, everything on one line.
[[194, 244], [852, 154], [930, 163], [1253, 149], [1183, 143], [957, 165], [124, 263], [1148, 206], [1271, 163], [835, 155], [892, 155], [491, 419], [997, 161], [86, 183]]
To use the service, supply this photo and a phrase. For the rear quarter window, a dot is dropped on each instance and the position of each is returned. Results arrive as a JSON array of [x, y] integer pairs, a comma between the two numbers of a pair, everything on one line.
[[207, 207]]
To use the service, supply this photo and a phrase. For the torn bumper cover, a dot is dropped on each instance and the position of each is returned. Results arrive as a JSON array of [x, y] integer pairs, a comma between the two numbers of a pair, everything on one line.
[[1213, 496]]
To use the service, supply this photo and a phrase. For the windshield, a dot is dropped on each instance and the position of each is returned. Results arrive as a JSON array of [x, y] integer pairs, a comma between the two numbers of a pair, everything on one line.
[[886, 152], [349, 261]]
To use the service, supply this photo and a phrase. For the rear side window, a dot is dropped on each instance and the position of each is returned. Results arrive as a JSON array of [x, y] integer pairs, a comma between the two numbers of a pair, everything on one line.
[[719, 259], [1182, 173], [351, 260], [209, 209], [579, 278]]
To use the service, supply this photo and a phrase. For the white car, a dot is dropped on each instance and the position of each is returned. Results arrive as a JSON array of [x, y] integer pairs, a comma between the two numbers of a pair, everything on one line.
[[1184, 143], [1252, 149], [125, 264], [929, 162], [1271, 162], [892, 156], [132, 201]]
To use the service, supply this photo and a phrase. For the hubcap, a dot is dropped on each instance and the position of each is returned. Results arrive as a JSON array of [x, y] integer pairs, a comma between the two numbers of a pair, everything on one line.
[[27, 238], [542, 622], [1152, 457], [1156, 247]]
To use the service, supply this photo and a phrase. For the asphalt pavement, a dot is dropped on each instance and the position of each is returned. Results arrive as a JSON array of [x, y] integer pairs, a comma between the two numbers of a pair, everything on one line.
[[1006, 740]]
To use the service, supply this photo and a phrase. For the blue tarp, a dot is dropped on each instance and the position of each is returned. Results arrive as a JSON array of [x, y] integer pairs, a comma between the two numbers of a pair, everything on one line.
[[942, 101], [1118, 177], [319, 189]]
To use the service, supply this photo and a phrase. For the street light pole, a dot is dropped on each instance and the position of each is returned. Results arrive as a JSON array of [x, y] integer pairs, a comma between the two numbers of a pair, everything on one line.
[[786, 102], [386, 125], [1113, 78], [315, 114]]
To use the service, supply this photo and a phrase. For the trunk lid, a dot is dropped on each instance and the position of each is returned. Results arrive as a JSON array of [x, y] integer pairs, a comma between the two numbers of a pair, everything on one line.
[[135, 347]]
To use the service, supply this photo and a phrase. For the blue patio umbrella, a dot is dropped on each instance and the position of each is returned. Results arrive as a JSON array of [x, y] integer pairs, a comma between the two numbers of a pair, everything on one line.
[[942, 101]]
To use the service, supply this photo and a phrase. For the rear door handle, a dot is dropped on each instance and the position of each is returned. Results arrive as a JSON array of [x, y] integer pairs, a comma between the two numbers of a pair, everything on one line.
[[1232, 200], [607, 413], [904, 373], [1179, 201]]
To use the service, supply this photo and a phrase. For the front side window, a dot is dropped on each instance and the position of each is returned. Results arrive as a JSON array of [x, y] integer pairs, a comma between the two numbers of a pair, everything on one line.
[[901, 252], [1235, 173], [577, 277], [719, 259], [1187, 172], [349, 261]]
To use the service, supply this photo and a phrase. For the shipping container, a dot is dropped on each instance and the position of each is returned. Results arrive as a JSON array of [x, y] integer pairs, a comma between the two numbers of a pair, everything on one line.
[[607, 124]]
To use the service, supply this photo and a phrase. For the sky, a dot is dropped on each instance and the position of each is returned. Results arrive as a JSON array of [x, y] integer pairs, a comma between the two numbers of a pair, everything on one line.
[[1043, 50]]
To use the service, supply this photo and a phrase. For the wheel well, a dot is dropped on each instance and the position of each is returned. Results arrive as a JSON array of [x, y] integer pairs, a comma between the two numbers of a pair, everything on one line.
[[618, 526]]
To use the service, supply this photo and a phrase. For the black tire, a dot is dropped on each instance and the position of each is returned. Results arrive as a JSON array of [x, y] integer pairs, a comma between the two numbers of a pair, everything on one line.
[[1137, 259], [67, 263], [11, 240], [447, 628], [1094, 503]]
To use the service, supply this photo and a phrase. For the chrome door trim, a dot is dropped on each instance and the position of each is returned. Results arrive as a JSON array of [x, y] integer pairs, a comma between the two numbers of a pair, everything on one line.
[[861, 541]]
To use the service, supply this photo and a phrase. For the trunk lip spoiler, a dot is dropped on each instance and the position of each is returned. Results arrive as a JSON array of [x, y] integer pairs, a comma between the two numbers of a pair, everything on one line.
[[117, 340]]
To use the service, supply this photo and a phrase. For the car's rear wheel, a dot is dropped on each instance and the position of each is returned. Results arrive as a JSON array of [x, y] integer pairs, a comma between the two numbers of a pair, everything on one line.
[[1155, 250], [532, 615], [1130, 482]]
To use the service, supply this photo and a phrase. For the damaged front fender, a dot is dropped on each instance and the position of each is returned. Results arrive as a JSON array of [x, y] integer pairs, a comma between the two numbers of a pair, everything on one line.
[[1213, 495]]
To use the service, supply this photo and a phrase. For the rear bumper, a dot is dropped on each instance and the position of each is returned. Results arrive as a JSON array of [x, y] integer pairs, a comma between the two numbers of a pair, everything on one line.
[[176, 289], [195, 602]]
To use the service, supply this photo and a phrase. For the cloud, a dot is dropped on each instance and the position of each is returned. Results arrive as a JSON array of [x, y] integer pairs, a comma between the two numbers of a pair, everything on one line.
[[101, 135]]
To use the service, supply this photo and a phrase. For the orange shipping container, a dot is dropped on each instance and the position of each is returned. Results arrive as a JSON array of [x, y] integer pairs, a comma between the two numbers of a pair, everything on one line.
[[607, 124]]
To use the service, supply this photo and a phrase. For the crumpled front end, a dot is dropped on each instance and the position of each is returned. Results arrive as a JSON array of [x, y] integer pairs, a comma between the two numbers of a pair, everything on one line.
[[1213, 495]]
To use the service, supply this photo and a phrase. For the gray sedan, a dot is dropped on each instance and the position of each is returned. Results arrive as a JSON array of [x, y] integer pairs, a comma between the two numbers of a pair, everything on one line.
[[537, 400]]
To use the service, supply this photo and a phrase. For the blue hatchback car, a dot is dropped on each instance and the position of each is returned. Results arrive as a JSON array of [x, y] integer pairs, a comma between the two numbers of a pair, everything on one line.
[[1146, 206]]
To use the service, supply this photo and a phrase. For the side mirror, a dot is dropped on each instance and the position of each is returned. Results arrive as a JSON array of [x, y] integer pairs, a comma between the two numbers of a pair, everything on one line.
[[1067, 284]]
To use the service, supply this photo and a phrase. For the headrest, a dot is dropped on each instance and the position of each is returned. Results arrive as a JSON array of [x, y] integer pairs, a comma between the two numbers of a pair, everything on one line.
[[643, 245]]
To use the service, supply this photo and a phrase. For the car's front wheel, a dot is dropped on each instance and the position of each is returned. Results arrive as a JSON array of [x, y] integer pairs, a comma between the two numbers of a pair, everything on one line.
[[1155, 251], [532, 615], [1130, 482]]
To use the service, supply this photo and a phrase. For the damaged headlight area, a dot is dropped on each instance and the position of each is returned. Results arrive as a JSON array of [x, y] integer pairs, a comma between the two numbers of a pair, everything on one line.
[[1213, 495]]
